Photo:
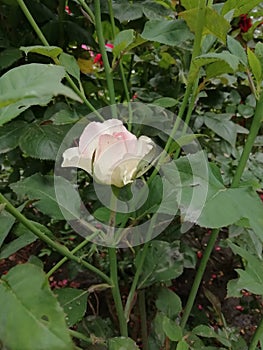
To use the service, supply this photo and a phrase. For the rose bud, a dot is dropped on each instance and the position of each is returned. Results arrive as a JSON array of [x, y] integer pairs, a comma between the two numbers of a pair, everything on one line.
[[110, 153]]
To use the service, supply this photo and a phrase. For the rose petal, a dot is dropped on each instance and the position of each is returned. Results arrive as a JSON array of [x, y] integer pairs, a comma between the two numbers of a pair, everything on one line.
[[72, 158], [126, 142], [89, 139], [118, 164]]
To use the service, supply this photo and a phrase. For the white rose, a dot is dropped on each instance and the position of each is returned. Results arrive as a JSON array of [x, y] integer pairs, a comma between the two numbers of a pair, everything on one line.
[[110, 153]]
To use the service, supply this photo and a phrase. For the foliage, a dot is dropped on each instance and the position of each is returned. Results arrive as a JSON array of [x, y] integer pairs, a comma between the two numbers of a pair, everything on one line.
[[61, 64]]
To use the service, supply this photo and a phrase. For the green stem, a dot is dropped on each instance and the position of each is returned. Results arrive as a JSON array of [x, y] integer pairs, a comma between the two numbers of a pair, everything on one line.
[[73, 251], [257, 336], [45, 43], [142, 309], [87, 9], [191, 88], [107, 68], [81, 336], [188, 115], [116, 291], [254, 130], [112, 21], [32, 22], [61, 15], [199, 277], [123, 77], [196, 51], [56, 246], [130, 298], [193, 73]]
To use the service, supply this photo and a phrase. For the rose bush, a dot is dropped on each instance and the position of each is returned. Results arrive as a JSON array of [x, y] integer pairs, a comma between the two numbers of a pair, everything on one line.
[[110, 153]]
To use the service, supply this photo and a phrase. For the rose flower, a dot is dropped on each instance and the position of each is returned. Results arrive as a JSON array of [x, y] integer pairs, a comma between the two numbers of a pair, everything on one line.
[[110, 153]]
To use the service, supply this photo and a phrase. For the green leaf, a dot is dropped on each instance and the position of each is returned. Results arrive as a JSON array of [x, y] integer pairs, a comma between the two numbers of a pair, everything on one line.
[[172, 330], [237, 49], [182, 345], [259, 53], [28, 85], [74, 303], [103, 214], [100, 327], [122, 40], [9, 56], [255, 65], [10, 134], [228, 206], [125, 11], [169, 303], [189, 4], [6, 223], [39, 321], [41, 188], [154, 199], [155, 9], [214, 23], [184, 140], [245, 110], [42, 141], [70, 64], [61, 113], [217, 64], [204, 200], [208, 332], [163, 263], [166, 102], [50, 51], [250, 279], [17, 244], [173, 32], [225, 56], [122, 343], [239, 6], [222, 126], [205, 331], [136, 42], [25, 237]]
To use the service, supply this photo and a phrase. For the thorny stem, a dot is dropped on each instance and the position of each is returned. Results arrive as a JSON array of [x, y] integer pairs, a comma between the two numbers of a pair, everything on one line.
[[116, 291], [56, 246], [83, 337], [199, 277], [73, 251], [87, 9], [142, 308], [189, 89], [114, 271], [193, 73], [254, 129], [136, 277], [123, 77], [108, 72], [56, 61], [257, 336]]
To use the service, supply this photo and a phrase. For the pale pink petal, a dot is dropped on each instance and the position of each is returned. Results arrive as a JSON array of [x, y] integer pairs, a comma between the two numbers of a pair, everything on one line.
[[144, 146], [89, 139], [105, 141], [72, 158], [118, 163]]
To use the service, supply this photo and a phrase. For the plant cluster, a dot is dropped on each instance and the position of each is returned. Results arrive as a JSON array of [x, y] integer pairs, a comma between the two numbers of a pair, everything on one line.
[[102, 102]]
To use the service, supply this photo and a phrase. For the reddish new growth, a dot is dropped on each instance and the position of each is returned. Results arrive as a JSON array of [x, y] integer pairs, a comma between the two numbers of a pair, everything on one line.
[[98, 59], [245, 23], [68, 11]]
